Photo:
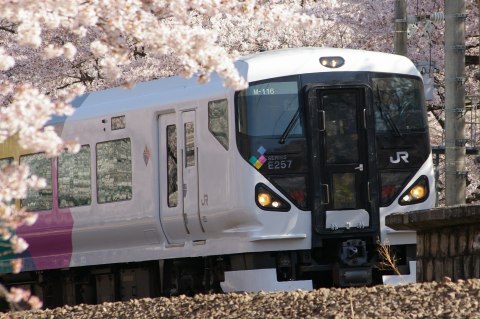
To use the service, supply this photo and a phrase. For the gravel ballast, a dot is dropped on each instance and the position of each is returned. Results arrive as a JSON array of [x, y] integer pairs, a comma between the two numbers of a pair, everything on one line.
[[424, 300]]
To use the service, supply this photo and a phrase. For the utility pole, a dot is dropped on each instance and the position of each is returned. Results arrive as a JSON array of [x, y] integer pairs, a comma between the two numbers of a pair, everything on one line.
[[400, 39], [455, 173]]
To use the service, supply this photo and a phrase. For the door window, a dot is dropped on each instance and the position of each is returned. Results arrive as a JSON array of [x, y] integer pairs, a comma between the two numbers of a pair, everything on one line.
[[341, 138], [172, 180], [344, 191], [189, 145]]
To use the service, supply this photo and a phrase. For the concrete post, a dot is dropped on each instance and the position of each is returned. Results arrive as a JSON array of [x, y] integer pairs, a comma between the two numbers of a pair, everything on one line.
[[400, 38], [455, 174]]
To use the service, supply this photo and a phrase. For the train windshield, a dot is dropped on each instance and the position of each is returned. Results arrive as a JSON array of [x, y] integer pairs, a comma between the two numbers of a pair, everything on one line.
[[269, 108], [399, 106]]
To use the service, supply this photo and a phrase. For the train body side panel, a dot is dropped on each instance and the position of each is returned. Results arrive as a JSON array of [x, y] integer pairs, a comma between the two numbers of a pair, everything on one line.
[[215, 172], [112, 232]]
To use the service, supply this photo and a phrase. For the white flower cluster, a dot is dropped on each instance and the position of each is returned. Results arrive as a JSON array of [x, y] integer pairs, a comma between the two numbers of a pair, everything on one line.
[[26, 116], [6, 61], [68, 50]]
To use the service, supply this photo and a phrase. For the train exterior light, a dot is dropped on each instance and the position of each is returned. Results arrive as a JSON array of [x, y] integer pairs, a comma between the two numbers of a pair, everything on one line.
[[181, 188], [268, 200], [332, 62], [264, 199], [416, 193]]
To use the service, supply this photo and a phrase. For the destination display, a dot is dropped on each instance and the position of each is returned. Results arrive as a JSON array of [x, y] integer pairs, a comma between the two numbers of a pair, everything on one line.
[[273, 88]]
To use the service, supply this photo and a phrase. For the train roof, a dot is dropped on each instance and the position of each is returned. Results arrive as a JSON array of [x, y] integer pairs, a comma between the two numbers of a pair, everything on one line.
[[283, 62], [255, 67]]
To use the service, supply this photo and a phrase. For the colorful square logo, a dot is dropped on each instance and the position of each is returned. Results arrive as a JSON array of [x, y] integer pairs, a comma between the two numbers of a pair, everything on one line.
[[260, 160]]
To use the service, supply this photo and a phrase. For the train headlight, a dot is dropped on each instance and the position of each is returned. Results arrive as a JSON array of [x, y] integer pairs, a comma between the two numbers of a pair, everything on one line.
[[417, 193], [332, 62], [264, 199], [268, 200]]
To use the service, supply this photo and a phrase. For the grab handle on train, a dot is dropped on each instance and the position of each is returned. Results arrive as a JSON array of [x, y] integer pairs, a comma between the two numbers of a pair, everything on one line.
[[326, 198], [359, 168], [322, 121]]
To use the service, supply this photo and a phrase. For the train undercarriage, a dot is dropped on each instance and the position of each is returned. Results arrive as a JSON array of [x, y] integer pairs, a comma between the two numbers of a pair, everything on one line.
[[347, 264]]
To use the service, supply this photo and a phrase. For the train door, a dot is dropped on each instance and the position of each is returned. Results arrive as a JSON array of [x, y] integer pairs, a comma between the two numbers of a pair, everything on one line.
[[170, 162], [179, 213], [191, 211], [337, 118]]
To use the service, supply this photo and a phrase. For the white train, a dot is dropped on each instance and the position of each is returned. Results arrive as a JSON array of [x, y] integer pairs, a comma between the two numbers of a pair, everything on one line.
[[181, 187]]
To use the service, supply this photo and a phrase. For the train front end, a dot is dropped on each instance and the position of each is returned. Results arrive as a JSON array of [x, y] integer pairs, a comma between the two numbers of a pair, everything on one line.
[[345, 138]]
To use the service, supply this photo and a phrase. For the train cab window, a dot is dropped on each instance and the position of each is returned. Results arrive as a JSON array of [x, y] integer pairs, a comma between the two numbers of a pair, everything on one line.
[[172, 181], [269, 108], [399, 105], [218, 120], [114, 171], [41, 166], [74, 184]]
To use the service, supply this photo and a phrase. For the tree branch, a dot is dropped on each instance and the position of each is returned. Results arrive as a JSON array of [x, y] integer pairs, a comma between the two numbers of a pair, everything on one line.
[[9, 29]]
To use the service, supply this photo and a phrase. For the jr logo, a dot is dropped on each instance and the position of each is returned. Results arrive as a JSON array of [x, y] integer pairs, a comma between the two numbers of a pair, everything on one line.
[[400, 156]]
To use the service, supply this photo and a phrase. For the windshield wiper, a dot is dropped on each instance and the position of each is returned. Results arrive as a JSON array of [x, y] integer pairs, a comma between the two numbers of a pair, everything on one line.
[[290, 126], [386, 115]]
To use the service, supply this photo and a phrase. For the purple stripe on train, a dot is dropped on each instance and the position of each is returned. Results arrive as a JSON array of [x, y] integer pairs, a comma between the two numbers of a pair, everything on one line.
[[49, 240]]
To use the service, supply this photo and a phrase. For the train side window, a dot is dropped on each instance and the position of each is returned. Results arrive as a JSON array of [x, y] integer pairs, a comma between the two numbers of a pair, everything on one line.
[[172, 180], [74, 183], [114, 171], [41, 166], [218, 120], [6, 161]]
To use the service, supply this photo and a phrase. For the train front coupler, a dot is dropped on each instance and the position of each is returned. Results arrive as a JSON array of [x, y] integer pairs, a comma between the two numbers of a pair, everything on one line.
[[353, 268]]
